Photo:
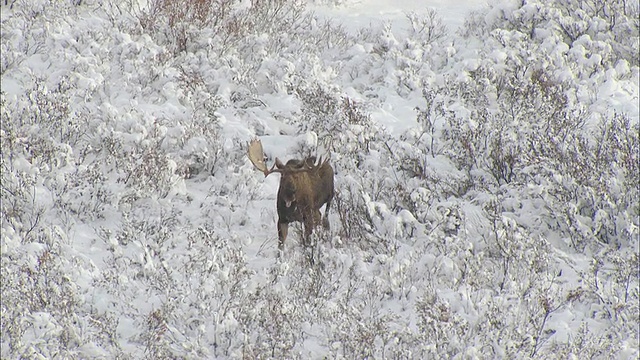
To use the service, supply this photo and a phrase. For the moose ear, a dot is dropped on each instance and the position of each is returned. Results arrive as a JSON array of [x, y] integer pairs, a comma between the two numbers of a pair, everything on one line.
[[311, 160], [279, 164]]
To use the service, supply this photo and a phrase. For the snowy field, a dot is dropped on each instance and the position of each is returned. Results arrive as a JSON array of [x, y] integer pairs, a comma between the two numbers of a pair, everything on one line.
[[487, 171], [358, 14]]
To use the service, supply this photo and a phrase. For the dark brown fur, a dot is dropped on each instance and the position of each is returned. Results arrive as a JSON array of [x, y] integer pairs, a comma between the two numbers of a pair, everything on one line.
[[305, 192]]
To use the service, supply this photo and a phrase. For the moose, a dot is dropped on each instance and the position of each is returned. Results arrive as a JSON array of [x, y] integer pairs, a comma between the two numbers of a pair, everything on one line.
[[305, 185]]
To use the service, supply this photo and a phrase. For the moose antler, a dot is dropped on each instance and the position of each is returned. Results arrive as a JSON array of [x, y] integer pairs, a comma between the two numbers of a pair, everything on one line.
[[256, 155], [321, 162]]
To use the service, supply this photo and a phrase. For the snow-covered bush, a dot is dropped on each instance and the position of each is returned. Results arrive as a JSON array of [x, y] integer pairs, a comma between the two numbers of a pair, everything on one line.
[[511, 129], [228, 24]]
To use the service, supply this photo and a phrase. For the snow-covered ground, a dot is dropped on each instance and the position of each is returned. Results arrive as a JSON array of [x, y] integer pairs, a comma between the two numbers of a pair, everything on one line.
[[486, 162], [358, 14]]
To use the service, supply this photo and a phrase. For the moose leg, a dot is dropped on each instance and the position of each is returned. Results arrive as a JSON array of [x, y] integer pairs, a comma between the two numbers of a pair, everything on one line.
[[317, 217], [308, 229], [325, 220], [283, 229]]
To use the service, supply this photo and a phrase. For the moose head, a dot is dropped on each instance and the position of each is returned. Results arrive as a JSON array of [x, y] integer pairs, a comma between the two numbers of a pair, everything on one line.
[[305, 186]]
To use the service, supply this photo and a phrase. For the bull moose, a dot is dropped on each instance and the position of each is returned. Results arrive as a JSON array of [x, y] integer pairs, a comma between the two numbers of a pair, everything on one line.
[[305, 185]]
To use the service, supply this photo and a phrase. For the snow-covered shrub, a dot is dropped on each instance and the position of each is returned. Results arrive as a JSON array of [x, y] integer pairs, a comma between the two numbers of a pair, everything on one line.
[[598, 172], [44, 310], [32, 325], [514, 129], [228, 23], [503, 119], [426, 28], [148, 170], [604, 32], [46, 113], [613, 22], [23, 35], [195, 283], [442, 330], [512, 246], [427, 144], [329, 116], [202, 146]]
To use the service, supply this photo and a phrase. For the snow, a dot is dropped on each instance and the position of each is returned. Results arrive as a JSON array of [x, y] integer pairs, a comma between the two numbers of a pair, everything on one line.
[[486, 180], [357, 14]]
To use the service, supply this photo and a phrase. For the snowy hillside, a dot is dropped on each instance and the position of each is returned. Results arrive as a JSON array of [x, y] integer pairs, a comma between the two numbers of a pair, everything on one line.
[[487, 171]]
